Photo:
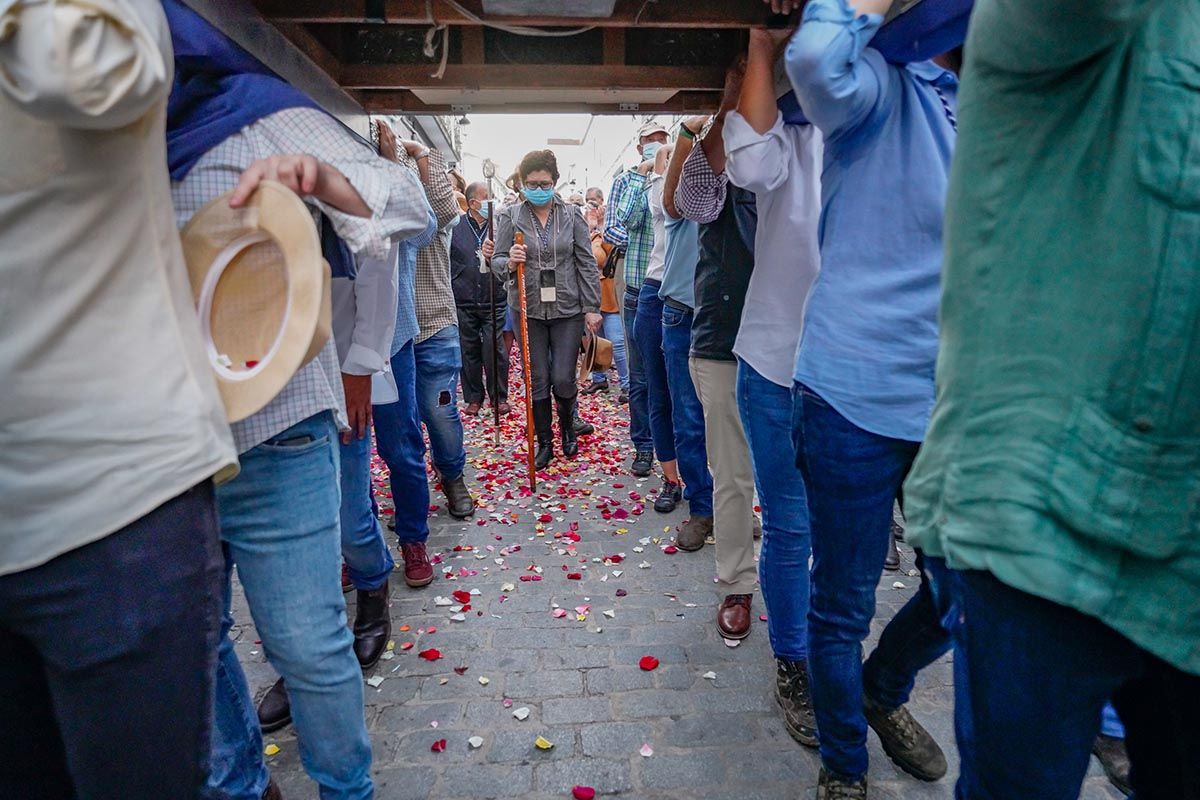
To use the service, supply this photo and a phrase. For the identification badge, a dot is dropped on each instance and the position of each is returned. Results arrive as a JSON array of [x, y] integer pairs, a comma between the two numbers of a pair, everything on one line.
[[549, 294], [546, 281], [483, 265]]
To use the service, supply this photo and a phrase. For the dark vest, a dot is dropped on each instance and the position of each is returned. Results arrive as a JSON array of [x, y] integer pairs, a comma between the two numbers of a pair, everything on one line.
[[723, 275], [470, 285]]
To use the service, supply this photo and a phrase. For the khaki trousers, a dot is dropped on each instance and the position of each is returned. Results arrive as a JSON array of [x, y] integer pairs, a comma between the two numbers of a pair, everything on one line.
[[732, 473]]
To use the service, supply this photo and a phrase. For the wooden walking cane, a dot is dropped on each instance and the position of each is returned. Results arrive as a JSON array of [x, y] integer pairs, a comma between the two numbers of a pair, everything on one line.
[[519, 238], [497, 337]]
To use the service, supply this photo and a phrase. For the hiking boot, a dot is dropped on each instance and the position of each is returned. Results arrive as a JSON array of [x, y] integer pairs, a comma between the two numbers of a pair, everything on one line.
[[581, 427], [596, 386], [372, 625], [793, 695], [1110, 751], [905, 741], [668, 497], [733, 616], [275, 709], [418, 571], [831, 788], [643, 463], [892, 562], [694, 533], [459, 502]]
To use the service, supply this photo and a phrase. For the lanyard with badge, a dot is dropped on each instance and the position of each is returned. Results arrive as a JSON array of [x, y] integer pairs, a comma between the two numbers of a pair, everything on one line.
[[546, 240]]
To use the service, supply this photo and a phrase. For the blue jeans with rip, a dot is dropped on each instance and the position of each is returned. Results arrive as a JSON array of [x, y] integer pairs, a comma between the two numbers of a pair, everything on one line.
[[647, 335], [614, 331], [363, 547], [402, 447], [1031, 680], [639, 409], [439, 364], [852, 478], [279, 525], [766, 411], [687, 415]]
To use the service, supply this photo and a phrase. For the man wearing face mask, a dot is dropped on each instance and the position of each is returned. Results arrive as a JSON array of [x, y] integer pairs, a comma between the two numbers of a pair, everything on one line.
[[480, 299], [637, 243]]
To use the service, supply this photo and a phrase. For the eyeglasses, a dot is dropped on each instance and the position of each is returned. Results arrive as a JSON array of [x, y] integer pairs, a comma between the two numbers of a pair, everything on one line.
[[539, 184]]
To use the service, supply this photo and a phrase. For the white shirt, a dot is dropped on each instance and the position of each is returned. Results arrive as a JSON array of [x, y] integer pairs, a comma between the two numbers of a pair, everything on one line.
[[783, 169], [108, 407], [364, 321], [657, 267]]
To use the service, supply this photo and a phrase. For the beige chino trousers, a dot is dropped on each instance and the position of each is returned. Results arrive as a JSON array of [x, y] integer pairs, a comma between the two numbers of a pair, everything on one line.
[[732, 473]]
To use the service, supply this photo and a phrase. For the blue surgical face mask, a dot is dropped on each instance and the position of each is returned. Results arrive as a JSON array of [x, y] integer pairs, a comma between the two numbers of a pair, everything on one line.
[[483, 209], [649, 150], [539, 197]]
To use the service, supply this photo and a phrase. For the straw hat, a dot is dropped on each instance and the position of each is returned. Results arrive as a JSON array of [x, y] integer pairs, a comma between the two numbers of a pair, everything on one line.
[[597, 356], [261, 290]]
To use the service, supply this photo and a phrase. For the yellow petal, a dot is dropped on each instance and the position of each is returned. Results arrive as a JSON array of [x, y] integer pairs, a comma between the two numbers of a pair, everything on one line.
[[271, 749], [542, 743]]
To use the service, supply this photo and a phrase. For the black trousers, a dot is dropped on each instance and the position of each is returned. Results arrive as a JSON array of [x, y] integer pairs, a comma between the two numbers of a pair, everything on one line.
[[554, 356], [107, 661], [478, 336]]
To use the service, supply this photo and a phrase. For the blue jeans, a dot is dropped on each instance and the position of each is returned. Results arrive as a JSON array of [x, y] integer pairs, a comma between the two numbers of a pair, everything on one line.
[[1110, 723], [639, 409], [439, 364], [1031, 679], [647, 336], [363, 547], [402, 447], [279, 523], [687, 415], [107, 650], [614, 331], [852, 478], [766, 411]]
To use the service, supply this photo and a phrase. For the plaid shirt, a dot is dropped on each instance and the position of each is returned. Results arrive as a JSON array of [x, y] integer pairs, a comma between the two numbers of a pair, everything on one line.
[[399, 210], [434, 292], [700, 195], [627, 224]]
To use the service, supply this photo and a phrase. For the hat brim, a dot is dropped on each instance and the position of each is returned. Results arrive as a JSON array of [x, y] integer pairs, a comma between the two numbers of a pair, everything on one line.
[[276, 213]]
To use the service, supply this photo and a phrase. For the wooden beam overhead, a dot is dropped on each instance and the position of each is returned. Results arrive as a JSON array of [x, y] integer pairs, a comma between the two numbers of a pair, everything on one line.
[[675, 14], [512, 76], [405, 102]]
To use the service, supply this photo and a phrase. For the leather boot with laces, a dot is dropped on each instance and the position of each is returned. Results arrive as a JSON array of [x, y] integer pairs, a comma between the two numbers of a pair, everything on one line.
[[905, 741], [793, 695], [372, 625], [830, 787]]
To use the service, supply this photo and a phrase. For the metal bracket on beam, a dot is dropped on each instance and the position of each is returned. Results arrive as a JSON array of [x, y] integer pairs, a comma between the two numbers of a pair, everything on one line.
[[630, 107], [375, 11], [460, 108]]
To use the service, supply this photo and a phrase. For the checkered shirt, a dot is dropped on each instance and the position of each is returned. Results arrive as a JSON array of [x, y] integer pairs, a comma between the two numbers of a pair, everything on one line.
[[434, 292], [399, 211], [700, 195], [628, 224]]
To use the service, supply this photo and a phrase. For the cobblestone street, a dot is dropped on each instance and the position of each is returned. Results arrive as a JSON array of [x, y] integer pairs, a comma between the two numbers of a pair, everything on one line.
[[558, 627]]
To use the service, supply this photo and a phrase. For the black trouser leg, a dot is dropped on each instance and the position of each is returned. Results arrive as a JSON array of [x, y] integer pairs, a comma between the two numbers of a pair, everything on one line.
[[470, 329], [493, 341]]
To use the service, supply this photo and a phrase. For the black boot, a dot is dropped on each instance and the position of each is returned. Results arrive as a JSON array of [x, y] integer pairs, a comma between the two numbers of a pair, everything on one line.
[[566, 426], [543, 416], [275, 709], [372, 626]]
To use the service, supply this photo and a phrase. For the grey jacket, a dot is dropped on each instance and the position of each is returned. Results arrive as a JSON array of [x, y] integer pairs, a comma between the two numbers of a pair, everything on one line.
[[569, 255]]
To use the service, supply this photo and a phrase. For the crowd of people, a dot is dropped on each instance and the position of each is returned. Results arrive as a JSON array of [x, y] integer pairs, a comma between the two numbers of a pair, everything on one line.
[[781, 282]]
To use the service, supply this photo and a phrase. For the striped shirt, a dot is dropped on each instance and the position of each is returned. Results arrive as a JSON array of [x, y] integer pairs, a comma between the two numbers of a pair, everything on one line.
[[394, 195]]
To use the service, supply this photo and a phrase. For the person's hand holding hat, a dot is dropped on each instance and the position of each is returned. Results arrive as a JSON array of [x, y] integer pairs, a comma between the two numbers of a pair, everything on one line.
[[307, 177]]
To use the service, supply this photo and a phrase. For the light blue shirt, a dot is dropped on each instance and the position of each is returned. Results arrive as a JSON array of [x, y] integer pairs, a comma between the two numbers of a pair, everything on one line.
[[407, 326], [870, 334], [683, 253]]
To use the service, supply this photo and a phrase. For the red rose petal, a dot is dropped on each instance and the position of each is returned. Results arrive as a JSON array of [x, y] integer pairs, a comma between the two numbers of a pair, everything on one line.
[[583, 793], [574, 576], [545, 518], [430, 654], [670, 549], [461, 596], [439, 746], [648, 663], [621, 592]]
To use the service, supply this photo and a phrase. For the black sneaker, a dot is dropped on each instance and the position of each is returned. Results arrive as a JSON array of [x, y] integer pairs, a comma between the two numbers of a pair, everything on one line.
[[623, 397], [668, 497], [831, 788], [581, 427], [594, 387], [643, 463], [1111, 753], [793, 696], [905, 741]]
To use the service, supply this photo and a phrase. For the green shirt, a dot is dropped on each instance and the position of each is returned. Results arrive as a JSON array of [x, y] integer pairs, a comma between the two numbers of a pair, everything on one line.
[[1064, 451]]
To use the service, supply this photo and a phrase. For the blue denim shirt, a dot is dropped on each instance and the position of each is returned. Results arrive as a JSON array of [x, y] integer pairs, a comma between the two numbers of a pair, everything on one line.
[[683, 253], [407, 327], [870, 335]]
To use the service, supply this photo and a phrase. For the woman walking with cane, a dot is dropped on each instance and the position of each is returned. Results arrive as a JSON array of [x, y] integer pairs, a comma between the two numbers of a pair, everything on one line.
[[562, 292]]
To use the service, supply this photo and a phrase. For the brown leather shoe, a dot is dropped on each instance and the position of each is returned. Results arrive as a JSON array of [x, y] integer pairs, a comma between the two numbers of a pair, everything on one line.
[[733, 617], [372, 625], [505, 409], [694, 533], [275, 709], [472, 409], [418, 571], [272, 792]]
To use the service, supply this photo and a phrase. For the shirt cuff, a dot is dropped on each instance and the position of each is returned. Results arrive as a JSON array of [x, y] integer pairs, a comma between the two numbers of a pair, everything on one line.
[[739, 133], [362, 360]]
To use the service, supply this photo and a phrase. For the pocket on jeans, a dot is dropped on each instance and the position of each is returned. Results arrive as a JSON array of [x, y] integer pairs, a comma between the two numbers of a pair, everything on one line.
[[278, 446], [671, 318], [807, 395]]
